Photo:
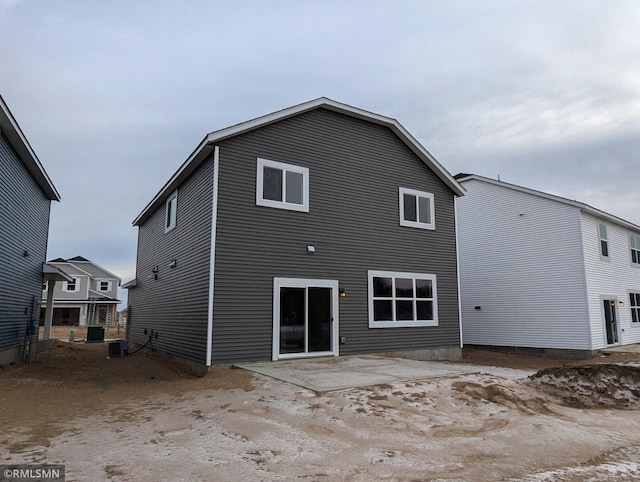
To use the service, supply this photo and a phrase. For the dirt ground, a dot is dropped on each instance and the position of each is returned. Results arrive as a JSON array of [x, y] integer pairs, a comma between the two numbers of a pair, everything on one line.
[[141, 418]]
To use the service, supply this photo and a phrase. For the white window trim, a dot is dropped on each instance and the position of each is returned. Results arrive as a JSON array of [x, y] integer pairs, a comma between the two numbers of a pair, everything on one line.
[[635, 265], [100, 281], [632, 307], [601, 239], [65, 286], [401, 324], [260, 201], [305, 283], [173, 213], [416, 224]]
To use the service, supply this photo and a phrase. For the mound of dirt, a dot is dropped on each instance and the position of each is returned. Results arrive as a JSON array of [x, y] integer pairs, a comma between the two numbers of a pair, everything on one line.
[[592, 386], [511, 397]]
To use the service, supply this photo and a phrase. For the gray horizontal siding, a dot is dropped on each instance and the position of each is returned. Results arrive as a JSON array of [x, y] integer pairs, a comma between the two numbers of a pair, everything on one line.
[[24, 226], [175, 304], [356, 169]]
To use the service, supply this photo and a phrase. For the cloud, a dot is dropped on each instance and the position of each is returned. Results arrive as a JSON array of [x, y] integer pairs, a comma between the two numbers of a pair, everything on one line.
[[521, 122]]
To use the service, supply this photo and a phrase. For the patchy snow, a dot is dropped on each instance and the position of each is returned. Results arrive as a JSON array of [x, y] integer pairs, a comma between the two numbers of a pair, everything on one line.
[[487, 426]]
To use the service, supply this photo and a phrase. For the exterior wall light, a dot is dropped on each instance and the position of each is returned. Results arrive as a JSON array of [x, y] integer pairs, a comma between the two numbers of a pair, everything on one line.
[[342, 293], [311, 249], [621, 303]]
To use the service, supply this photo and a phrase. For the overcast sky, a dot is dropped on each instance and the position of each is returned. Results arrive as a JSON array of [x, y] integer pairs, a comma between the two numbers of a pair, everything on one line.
[[113, 96]]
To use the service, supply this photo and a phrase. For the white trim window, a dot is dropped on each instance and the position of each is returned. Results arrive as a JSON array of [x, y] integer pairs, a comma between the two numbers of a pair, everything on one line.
[[282, 186], [604, 243], [402, 299], [634, 305], [170, 212], [416, 209], [71, 286], [634, 243], [103, 285]]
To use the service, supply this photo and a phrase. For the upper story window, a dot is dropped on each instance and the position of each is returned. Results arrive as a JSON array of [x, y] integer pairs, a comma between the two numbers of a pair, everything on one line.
[[402, 299], [104, 285], [283, 186], [171, 211], [634, 243], [71, 286], [416, 209], [604, 244], [634, 303]]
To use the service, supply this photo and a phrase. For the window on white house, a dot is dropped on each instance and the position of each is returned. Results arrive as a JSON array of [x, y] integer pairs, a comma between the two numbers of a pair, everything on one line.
[[634, 243], [71, 286], [634, 303], [282, 186], [604, 244], [402, 299], [416, 209], [171, 211], [104, 285]]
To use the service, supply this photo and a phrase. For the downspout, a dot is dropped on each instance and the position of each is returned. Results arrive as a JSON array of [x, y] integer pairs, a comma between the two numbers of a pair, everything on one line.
[[455, 220], [212, 258]]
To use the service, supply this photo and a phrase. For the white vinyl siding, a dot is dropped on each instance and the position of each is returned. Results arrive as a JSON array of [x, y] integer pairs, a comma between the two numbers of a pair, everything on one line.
[[613, 280], [521, 269], [282, 186]]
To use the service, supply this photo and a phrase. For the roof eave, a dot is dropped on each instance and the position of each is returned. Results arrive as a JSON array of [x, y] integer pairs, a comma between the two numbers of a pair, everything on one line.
[[11, 130], [577, 204], [206, 146]]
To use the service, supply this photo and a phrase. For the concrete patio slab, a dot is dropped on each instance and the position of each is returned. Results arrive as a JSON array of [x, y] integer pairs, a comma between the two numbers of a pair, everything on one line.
[[323, 375]]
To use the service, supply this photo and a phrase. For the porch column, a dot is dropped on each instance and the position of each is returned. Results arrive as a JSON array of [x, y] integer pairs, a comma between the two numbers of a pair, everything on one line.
[[48, 312]]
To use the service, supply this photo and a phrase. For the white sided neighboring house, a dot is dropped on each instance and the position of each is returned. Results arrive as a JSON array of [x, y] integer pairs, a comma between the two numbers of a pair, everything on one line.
[[542, 271], [90, 299]]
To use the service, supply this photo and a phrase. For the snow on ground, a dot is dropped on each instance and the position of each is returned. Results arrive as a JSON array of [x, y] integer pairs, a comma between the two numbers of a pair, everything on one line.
[[493, 425]]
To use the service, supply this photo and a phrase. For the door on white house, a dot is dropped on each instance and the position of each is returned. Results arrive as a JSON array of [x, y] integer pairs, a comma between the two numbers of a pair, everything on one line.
[[305, 318], [611, 321]]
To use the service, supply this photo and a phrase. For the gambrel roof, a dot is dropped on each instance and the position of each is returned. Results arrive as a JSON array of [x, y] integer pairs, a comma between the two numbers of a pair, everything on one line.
[[205, 148]]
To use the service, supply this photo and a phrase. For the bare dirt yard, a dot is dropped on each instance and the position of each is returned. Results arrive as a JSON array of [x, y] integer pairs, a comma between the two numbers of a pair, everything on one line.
[[141, 418]]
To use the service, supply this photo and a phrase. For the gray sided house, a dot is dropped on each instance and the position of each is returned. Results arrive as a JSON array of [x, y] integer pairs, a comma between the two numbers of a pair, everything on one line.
[[318, 230], [26, 193], [89, 298]]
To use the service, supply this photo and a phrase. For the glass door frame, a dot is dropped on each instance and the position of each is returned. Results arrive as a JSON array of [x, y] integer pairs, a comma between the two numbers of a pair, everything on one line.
[[613, 302], [279, 283]]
